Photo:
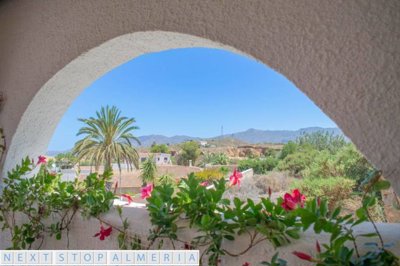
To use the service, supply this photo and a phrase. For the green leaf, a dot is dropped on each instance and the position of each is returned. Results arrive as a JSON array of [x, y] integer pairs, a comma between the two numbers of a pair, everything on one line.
[[293, 233], [229, 237], [361, 214], [381, 185], [368, 235], [205, 220], [307, 218]]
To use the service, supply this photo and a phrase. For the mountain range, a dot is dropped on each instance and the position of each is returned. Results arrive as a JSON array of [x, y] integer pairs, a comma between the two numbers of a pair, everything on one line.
[[251, 136]]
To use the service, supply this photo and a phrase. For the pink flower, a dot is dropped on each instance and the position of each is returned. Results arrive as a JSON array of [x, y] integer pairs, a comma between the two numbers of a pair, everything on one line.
[[302, 255], [291, 201], [318, 247], [204, 184], [42, 159], [235, 178], [146, 191], [187, 246], [116, 186], [103, 232], [128, 197]]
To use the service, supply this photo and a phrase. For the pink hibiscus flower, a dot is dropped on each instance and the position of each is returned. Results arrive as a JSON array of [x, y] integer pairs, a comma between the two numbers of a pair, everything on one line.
[[42, 159], [291, 201], [103, 232], [235, 177], [146, 191], [128, 197]]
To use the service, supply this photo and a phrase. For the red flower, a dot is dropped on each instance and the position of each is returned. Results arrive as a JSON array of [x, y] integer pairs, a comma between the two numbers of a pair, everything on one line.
[[116, 186], [302, 255], [187, 246], [318, 201], [204, 184], [146, 191], [291, 201], [235, 178], [128, 197], [269, 192], [318, 247], [42, 159], [246, 264], [103, 232]]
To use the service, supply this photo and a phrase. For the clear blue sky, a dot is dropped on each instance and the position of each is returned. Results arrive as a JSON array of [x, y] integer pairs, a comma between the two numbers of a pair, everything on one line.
[[194, 92]]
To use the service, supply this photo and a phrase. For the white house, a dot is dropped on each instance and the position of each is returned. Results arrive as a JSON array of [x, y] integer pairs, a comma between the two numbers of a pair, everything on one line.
[[159, 158]]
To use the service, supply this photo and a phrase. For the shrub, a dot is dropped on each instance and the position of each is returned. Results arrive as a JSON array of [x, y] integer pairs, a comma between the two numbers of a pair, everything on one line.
[[165, 179], [190, 152], [351, 163], [215, 159], [334, 189], [209, 174], [322, 141], [322, 166], [296, 162], [159, 148], [259, 166], [277, 181], [288, 148]]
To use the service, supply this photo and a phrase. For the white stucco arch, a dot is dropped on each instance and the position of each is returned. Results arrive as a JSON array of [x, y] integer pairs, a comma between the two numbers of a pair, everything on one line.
[[51, 102], [344, 55]]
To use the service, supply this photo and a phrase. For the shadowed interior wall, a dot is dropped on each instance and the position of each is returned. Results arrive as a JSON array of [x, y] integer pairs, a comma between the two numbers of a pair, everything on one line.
[[345, 55]]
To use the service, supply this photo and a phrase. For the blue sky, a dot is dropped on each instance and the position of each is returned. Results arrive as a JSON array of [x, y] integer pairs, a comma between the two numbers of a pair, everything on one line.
[[194, 91]]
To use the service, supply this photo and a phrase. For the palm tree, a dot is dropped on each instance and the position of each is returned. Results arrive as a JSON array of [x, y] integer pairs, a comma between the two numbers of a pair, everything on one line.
[[149, 171], [107, 139]]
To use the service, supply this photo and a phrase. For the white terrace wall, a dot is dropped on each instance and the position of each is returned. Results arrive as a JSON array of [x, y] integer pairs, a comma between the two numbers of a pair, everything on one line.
[[345, 55], [82, 231]]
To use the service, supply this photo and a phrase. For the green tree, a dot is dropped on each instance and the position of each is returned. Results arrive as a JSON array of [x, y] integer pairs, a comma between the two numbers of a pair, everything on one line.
[[190, 151], [65, 160], [149, 171], [159, 148], [288, 148], [107, 139], [322, 141]]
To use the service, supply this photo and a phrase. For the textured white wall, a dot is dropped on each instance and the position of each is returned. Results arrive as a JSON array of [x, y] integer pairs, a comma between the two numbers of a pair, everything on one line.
[[345, 55], [82, 231]]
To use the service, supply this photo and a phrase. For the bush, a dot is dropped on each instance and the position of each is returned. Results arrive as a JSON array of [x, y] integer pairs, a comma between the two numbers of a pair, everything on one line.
[[296, 162], [215, 159], [322, 141], [351, 163], [277, 181], [159, 148], [288, 148], [209, 174], [259, 166], [165, 179], [190, 151], [322, 166], [334, 189]]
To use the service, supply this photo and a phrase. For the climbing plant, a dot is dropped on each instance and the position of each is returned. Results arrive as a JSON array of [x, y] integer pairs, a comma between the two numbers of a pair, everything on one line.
[[31, 208], [44, 205]]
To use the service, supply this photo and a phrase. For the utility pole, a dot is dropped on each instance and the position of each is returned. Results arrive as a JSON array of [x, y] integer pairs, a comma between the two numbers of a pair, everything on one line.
[[222, 131]]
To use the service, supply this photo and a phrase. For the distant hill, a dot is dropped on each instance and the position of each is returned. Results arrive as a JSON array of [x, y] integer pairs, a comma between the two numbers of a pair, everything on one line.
[[250, 136], [277, 136], [148, 140]]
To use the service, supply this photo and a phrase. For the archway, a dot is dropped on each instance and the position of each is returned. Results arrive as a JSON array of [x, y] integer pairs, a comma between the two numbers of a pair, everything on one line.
[[326, 49]]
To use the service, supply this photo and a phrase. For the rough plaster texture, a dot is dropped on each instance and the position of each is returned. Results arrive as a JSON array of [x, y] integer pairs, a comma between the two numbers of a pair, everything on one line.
[[345, 55], [81, 232]]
